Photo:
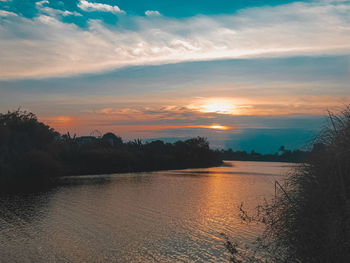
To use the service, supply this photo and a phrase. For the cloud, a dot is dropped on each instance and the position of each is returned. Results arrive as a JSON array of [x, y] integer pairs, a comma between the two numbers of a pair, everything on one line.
[[298, 29], [155, 113], [193, 111], [6, 13], [54, 12], [41, 3], [89, 7], [152, 13], [61, 122], [150, 122]]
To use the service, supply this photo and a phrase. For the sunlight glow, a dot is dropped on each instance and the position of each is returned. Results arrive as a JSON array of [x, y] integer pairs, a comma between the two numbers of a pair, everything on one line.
[[60, 122], [219, 108], [218, 127], [216, 105]]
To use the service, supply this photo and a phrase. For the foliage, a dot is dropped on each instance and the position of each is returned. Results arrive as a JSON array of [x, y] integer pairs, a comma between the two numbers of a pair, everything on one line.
[[309, 219], [32, 153], [24, 144], [283, 155], [133, 156]]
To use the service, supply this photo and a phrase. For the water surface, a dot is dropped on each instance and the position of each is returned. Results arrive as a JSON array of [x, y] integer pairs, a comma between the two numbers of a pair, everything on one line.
[[167, 216]]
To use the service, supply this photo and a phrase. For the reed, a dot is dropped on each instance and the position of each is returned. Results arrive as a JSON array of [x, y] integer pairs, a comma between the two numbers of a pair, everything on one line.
[[309, 218]]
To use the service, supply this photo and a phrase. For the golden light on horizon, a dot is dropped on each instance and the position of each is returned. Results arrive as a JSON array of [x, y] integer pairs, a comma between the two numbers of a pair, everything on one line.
[[218, 127], [216, 105], [60, 122], [219, 107], [166, 127]]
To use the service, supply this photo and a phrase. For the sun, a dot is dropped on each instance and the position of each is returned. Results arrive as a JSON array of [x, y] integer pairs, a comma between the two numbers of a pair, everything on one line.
[[218, 127], [220, 106]]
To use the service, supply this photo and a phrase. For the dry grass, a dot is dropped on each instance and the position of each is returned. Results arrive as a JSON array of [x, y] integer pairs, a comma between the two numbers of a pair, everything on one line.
[[309, 219]]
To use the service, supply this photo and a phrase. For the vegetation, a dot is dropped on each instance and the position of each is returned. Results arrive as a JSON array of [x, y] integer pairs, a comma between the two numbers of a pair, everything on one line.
[[33, 153], [282, 155], [24, 147], [309, 219]]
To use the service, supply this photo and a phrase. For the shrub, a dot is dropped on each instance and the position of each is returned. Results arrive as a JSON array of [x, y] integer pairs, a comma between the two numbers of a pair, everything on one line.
[[309, 219]]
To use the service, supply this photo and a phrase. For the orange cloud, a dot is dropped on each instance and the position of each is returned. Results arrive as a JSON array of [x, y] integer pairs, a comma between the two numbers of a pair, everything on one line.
[[138, 119], [60, 122]]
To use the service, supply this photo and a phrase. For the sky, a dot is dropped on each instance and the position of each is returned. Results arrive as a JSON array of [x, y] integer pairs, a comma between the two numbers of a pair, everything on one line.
[[246, 74]]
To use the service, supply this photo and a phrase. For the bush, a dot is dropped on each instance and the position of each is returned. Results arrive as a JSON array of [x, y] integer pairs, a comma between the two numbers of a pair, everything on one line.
[[24, 143], [309, 219]]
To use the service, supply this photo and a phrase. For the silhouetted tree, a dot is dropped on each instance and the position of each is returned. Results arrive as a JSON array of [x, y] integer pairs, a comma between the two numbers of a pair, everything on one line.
[[24, 144], [112, 139], [282, 155], [33, 153]]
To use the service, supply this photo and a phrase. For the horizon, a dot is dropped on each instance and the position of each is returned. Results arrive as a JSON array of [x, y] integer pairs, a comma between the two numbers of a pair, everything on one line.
[[245, 75]]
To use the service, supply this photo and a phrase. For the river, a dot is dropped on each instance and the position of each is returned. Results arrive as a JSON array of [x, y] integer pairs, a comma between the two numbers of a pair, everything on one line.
[[166, 216]]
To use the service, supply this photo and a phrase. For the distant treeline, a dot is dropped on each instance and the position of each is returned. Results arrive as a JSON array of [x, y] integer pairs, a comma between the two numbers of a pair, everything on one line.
[[31, 151], [282, 155]]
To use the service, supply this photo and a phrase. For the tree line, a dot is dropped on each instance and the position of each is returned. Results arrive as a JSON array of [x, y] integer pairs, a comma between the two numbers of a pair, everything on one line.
[[282, 155], [31, 152]]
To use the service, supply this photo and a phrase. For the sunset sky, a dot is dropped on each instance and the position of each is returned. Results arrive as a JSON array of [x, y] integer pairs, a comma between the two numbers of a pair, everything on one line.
[[247, 74]]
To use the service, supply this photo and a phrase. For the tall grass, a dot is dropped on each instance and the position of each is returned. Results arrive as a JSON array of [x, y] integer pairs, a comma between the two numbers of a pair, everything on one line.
[[315, 226], [309, 219]]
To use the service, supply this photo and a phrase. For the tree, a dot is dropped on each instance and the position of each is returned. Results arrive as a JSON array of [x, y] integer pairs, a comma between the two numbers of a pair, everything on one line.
[[24, 143], [112, 139]]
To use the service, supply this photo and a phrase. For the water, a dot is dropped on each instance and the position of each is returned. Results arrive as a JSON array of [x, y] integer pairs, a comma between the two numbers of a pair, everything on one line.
[[168, 216]]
